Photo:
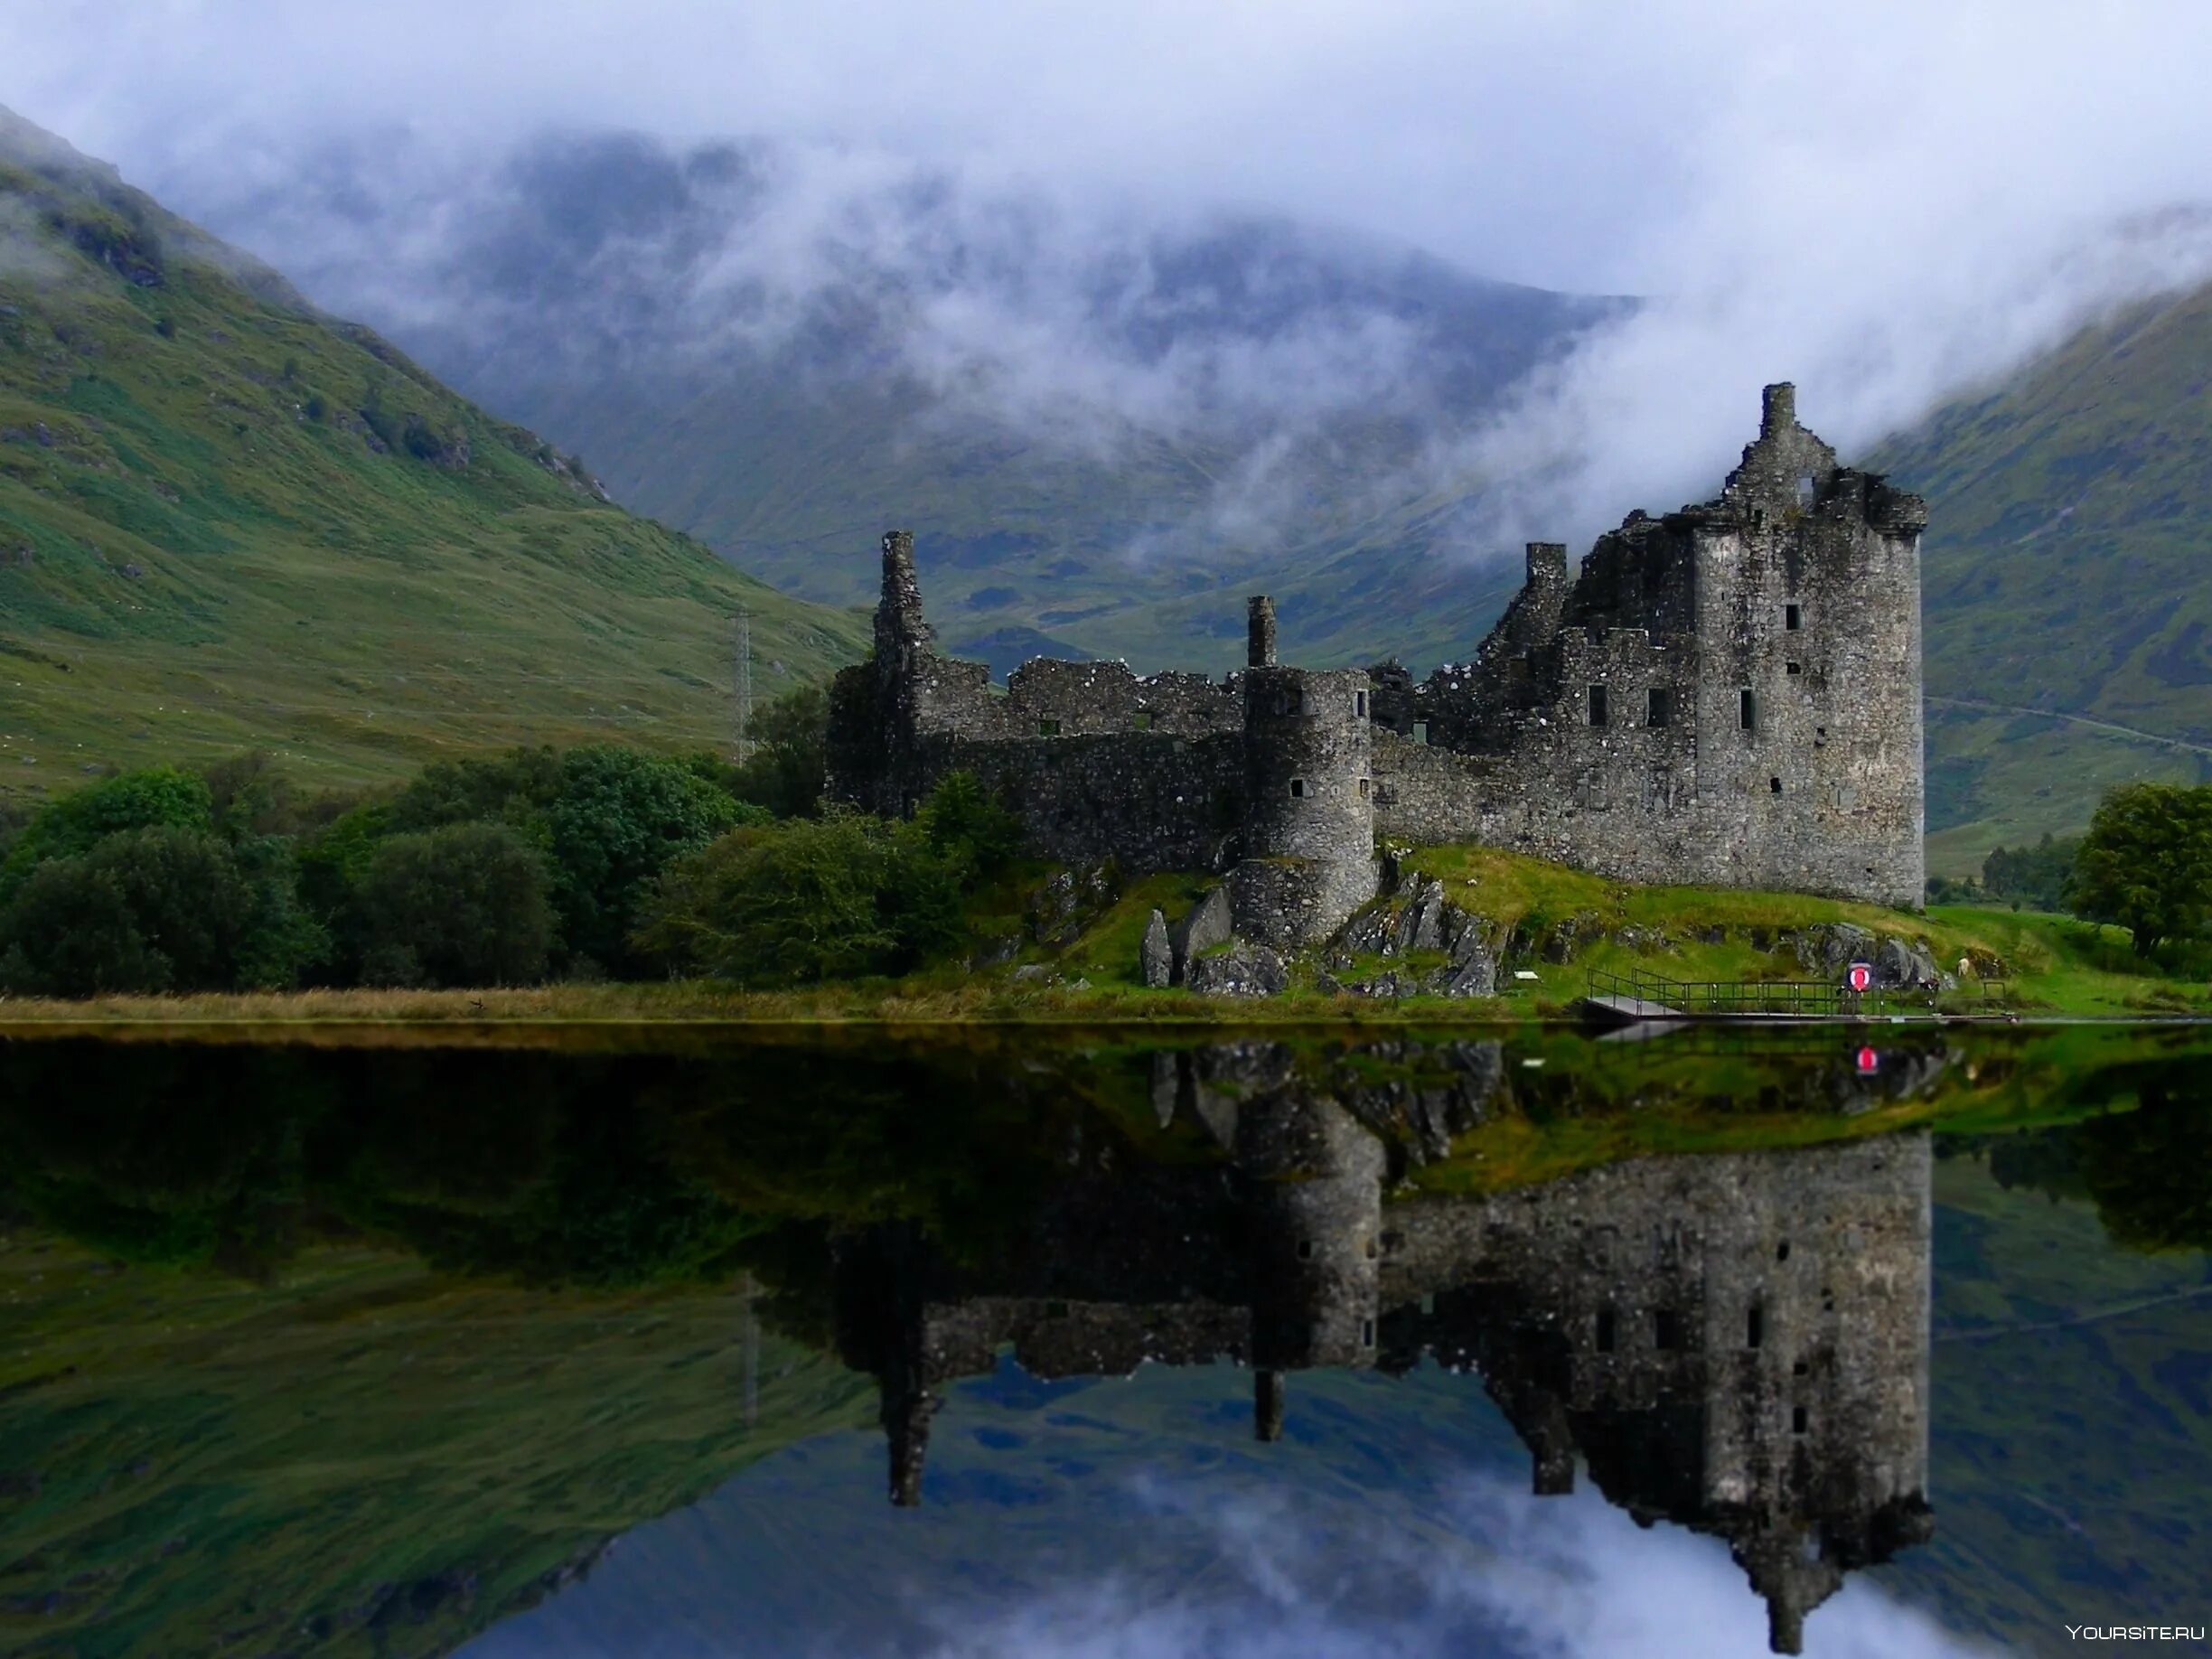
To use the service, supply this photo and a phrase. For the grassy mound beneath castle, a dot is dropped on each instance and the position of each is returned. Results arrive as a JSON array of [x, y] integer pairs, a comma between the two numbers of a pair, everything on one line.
[[1562, 925]]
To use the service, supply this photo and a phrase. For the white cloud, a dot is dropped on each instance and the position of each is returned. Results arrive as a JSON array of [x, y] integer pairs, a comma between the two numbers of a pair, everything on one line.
[[1885, 205]]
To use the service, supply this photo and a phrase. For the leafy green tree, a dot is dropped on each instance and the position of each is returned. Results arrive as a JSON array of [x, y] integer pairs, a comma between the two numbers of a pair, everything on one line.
[[2146, 863], [14, 819], [250, 795], [157, 909], [808, 899], [786, 771], [963, 820], [332, 861], [464, 904], [619, 818], [510, 788], [76, 822]]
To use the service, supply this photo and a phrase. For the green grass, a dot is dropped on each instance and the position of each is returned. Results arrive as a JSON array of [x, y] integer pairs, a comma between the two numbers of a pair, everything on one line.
[[208, 553]]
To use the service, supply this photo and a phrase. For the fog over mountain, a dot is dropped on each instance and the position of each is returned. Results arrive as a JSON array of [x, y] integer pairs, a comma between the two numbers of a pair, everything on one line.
[[1259, 291]]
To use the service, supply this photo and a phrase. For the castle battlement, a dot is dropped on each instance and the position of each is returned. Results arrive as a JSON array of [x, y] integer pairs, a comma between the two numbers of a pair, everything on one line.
[[1726, 695]]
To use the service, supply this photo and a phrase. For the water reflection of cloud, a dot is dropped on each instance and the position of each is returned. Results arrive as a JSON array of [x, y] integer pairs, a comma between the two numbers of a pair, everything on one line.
[[1138, 1520], [1543, 1579]]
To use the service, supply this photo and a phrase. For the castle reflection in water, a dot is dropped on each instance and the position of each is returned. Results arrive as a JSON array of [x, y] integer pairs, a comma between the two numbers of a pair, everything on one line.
[[1735, 1343]]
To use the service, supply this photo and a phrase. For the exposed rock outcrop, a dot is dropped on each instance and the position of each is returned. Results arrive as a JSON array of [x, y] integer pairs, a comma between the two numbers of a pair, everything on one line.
[[1239, 970]]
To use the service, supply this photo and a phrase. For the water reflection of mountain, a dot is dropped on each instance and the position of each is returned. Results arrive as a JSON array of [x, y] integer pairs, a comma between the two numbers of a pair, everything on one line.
[[1736, 1343]]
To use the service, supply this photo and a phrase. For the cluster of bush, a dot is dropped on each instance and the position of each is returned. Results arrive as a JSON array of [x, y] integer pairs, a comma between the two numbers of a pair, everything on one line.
[[599, 862]]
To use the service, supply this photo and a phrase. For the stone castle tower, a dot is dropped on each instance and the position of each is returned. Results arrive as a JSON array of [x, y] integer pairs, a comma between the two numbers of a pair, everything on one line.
[[1309, 859]]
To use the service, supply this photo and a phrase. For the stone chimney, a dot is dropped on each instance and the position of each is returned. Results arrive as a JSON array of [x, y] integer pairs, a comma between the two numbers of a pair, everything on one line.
[[1778, 409], [1267, 1401], [1547, 563], [906, 1426], [900, 626], [1259, 631]]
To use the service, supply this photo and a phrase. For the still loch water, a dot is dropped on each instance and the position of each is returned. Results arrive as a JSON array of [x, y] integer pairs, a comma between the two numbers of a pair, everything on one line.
[[1087, 1344]]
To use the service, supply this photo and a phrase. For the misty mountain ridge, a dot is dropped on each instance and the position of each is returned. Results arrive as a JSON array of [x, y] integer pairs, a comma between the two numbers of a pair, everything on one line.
[[1104, 426]]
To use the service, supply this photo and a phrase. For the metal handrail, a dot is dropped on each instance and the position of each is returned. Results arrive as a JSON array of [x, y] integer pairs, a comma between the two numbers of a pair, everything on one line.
[[1804, 998]]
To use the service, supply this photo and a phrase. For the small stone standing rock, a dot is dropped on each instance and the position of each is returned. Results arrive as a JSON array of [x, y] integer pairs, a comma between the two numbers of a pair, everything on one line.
[[1156, 955], [1207, 925]]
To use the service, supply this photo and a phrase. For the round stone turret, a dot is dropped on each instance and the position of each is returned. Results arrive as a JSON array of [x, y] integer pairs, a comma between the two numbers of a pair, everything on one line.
[[1309, 804], [1316, 1227]]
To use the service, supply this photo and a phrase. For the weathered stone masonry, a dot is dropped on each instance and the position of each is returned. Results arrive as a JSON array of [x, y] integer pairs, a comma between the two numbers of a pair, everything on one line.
[[1728, 695]]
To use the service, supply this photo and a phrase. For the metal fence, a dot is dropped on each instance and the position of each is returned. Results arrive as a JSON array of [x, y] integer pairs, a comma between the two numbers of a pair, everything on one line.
[[1806, 998]]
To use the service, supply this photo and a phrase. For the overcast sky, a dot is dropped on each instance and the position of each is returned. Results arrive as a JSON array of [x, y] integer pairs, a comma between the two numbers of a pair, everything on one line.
[[1884, 200]]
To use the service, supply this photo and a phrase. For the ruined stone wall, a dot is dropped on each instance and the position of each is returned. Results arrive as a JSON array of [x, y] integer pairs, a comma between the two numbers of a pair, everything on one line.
[[1099, 764], [1817, 785], [1146, 800], [1728, 695]]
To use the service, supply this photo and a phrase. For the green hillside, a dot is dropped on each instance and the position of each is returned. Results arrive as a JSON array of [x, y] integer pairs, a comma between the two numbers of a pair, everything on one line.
[[2065, 588], [227, 521]]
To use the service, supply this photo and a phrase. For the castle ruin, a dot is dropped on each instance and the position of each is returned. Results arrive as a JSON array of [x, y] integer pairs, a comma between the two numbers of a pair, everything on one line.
[[1727, 695]]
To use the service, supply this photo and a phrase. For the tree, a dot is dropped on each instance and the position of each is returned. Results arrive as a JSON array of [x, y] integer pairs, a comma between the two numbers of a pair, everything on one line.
[[464, 904], [618, 819], [162, 908], [2035, 877], [76, 823], [791, 737], [962, 820], [806, 899], [249, 796], [509, 788], [333, 862], [2146, 863]]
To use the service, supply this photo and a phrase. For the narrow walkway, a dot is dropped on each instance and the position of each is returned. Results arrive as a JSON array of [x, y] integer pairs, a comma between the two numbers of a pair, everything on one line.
[[1627, 1010]]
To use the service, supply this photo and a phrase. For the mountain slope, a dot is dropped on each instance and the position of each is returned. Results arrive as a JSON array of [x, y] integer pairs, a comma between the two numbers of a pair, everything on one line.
[[2068, 597], [227, 520]]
